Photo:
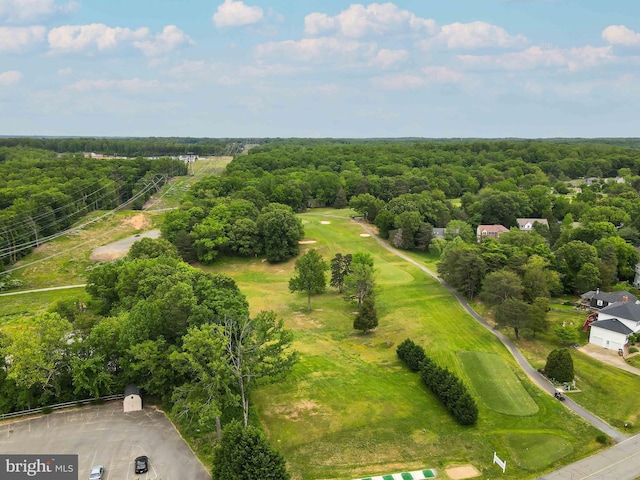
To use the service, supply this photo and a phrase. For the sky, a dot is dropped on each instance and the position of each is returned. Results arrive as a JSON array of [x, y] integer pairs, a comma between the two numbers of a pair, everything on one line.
[[320, 68]]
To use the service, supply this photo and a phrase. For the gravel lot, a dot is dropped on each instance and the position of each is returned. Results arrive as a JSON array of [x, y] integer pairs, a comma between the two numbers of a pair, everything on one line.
[[104, 435]]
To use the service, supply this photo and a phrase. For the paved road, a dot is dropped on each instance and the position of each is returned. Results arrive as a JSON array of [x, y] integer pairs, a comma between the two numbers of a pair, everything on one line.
[[43, 290], [538, 379], [620, 462]]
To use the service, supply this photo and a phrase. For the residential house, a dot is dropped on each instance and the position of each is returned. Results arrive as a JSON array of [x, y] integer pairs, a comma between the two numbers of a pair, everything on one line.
[[490, 231], [615, 323], [526, 224], [595, 299], [439, 232]]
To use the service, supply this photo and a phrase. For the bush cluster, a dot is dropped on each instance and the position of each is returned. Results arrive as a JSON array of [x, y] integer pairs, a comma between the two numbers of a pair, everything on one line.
[[449, 389]]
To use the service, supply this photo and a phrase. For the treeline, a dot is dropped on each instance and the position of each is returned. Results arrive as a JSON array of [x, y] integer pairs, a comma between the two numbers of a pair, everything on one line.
[[41, 194], [182, 335], [130, 147], [449, 389]]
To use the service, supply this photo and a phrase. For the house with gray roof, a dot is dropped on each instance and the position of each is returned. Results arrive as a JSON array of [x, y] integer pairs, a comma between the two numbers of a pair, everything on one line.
[[615, 323], [598, 299]]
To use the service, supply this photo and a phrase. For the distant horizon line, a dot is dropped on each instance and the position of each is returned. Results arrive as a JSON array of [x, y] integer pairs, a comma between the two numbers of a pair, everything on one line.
[[314, 138]]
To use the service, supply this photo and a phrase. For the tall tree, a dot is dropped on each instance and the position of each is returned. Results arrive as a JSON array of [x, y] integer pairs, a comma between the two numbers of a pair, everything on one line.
[[309, 275], [245, 454], [340, 265], [463, 268], [500, 286], [513, 313], [367, 317], [361, 280], [258, 349], [281, 231]]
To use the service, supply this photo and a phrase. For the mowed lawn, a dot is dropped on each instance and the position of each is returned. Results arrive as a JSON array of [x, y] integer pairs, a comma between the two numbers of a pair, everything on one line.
[[351, 409]]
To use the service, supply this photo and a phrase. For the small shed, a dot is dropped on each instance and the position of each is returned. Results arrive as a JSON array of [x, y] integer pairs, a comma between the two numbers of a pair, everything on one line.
[[132, 400]]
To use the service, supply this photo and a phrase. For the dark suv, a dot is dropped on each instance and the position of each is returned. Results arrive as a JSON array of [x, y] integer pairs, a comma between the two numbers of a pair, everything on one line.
[[141, 464]]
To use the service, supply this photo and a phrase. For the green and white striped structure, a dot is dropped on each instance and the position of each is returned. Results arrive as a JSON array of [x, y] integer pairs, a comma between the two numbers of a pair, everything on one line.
[[417, 475]]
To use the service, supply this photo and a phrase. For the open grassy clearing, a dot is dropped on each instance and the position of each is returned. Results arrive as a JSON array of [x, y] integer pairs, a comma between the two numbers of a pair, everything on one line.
[[15, 308], [351, 409], [496, 385], [68, 256]]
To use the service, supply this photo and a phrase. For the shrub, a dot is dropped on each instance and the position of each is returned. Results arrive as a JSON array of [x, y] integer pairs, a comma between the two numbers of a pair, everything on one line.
[[412, 354], [46, 410], [633, 350], [602, 439], [559, 365]]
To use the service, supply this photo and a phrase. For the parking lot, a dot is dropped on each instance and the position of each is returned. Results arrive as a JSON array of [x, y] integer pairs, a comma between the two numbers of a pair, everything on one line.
[[104, 435]]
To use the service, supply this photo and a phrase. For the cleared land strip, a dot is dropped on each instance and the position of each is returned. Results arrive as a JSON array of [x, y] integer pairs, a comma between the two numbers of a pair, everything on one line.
[[528, 369]]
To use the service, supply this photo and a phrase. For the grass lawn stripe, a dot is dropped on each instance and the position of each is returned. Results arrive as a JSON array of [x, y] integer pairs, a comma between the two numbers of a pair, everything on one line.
[[496, 384]]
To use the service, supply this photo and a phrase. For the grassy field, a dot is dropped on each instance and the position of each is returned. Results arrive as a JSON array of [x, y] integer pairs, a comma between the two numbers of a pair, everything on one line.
[[351, 409], [15, 308]]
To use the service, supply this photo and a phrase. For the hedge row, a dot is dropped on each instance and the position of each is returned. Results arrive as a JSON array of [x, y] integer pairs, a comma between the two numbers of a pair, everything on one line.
[[449, 389]]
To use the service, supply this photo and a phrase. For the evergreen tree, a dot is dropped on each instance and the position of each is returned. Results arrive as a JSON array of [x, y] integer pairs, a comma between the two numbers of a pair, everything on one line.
[[559, 365], [245, 454], [367, 317], [340, 268]]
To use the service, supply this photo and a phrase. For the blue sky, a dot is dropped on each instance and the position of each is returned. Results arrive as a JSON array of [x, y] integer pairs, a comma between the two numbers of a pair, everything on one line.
[[289, 68]]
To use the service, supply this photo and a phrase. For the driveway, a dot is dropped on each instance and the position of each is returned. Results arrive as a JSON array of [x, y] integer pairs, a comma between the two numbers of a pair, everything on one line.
[[609, 357], [104, 435]]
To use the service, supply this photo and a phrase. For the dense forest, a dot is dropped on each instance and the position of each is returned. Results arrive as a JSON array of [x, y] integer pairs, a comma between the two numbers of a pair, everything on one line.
[[585, 194], [42, 194], [130, 147]]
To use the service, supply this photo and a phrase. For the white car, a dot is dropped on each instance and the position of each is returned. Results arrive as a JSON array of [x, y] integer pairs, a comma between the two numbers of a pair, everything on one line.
[[96, 473]]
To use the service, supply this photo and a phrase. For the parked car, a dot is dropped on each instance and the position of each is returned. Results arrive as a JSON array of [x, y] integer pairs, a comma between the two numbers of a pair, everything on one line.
[[141, 464], [96, 472]]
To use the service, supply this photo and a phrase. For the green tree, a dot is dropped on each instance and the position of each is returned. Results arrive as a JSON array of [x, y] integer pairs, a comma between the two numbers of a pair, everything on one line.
[[245, 454], [513, 313], [209, 238], [39, 353], [361, 279], [567, 334], [458, 228], [367, 317], [366, 205], [281, 231], [152, 248], [204, 363], [309, 275], [463, 268], [587, 278], [258, 349], [559, 365], [340, 265], [500, 286]]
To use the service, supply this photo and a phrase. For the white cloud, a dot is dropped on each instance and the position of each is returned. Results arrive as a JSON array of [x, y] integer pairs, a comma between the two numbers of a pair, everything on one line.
[[389, 58], [621, 35], [359, 21], [437, 74], [431, 75], [536, 57], [12, 77], [309, 49], [236, 14], [129, 85], [21, 11], [474, 35], [65, 71], [18, 39], [87, 38], [170, 39]]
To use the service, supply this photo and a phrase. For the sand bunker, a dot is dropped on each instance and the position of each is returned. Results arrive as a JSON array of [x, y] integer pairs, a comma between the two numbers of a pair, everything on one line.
[[460, 473], [325, 222], [365, 235], [307, 242]]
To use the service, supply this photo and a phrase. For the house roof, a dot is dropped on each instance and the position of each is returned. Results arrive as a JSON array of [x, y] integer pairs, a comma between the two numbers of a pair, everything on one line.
[[610, 296], [439, 232], [492, 229], [523, 221], [625, 310], [613, 325]]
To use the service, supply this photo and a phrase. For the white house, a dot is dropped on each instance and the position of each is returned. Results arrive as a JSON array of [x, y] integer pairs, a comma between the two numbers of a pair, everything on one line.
[[526, 224], [615, 323]]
